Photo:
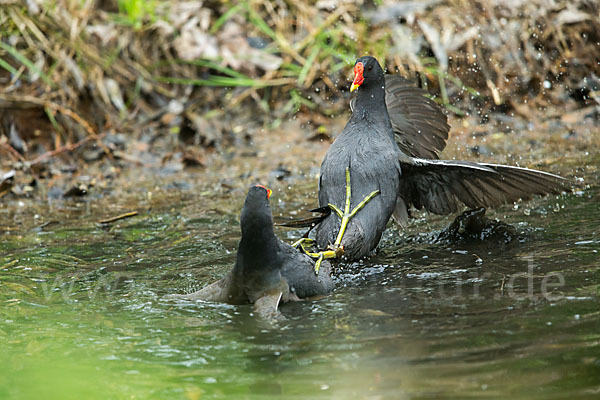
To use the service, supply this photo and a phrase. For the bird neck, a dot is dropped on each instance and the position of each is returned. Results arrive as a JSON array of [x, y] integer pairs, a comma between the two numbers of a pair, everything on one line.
[[258, 236], [370, 100]]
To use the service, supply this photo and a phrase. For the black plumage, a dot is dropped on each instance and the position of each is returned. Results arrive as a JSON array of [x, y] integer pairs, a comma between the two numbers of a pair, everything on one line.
[[399, 157], [367, 147], [266, 267]]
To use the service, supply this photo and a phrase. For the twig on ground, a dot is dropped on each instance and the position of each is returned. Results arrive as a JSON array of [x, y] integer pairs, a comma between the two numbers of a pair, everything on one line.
[[14, 153], [68, 147], [118, 217]]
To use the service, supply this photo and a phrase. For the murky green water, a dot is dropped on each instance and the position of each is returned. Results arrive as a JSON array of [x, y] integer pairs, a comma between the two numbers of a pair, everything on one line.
[[83, 314]]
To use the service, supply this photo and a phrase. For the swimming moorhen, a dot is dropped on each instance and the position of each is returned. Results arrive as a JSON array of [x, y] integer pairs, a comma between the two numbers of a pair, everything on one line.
[[267, 270]]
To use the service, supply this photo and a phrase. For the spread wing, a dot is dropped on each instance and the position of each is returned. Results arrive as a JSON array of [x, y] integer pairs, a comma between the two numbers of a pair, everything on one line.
[[443, 187], [420, 126]]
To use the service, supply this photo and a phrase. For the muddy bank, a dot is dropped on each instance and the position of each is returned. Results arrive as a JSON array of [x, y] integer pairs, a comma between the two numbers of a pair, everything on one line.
[[92, 91]]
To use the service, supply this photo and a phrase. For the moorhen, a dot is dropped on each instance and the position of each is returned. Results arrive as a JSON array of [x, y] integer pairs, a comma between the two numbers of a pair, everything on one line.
[[378, 167], [267, 270]]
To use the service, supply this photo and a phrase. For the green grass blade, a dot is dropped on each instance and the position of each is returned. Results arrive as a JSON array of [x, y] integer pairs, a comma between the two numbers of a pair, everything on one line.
[[8, 67], [53, 121], [260, 23], [217, 67], [212, 81], [224, 81], [460, 84], [309, 62], [223, 18], [299, 100], [212, 64], [25, 61]]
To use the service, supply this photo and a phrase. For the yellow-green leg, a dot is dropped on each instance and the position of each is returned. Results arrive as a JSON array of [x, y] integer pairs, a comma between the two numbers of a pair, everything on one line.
[[345, 216]]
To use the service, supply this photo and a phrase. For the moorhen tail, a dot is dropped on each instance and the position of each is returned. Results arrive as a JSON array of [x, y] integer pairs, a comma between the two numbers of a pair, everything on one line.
[[379, 166], [267, 270]]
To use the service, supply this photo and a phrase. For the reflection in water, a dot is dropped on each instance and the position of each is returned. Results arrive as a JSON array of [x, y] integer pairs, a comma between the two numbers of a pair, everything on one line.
[[84, 312]]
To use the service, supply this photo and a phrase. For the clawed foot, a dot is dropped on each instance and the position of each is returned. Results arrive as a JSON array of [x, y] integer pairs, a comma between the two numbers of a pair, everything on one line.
[[337, 250], [304, 243]]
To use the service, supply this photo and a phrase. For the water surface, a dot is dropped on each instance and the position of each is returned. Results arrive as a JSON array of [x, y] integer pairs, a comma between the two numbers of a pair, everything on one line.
[[83, 312]]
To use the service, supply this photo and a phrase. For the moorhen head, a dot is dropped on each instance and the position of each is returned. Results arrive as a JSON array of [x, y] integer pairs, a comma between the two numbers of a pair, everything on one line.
[[368, 74]]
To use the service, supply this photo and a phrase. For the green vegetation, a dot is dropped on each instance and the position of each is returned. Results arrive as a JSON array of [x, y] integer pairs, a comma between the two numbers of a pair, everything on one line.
[[290, 57], [135, 12]]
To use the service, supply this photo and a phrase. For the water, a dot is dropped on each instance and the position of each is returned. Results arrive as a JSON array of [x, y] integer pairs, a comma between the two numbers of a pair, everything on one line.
[[83, 311]]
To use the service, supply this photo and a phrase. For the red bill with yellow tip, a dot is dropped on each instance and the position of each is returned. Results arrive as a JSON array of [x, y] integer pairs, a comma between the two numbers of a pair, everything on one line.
[[269, 191], [358, 76]]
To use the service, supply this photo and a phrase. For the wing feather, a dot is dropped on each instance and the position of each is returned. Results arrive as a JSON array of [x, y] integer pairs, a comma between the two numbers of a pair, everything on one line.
[[443, 187]]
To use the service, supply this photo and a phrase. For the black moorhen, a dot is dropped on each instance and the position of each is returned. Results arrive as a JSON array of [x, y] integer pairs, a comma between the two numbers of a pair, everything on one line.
[[378, 167], [267, 270]]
